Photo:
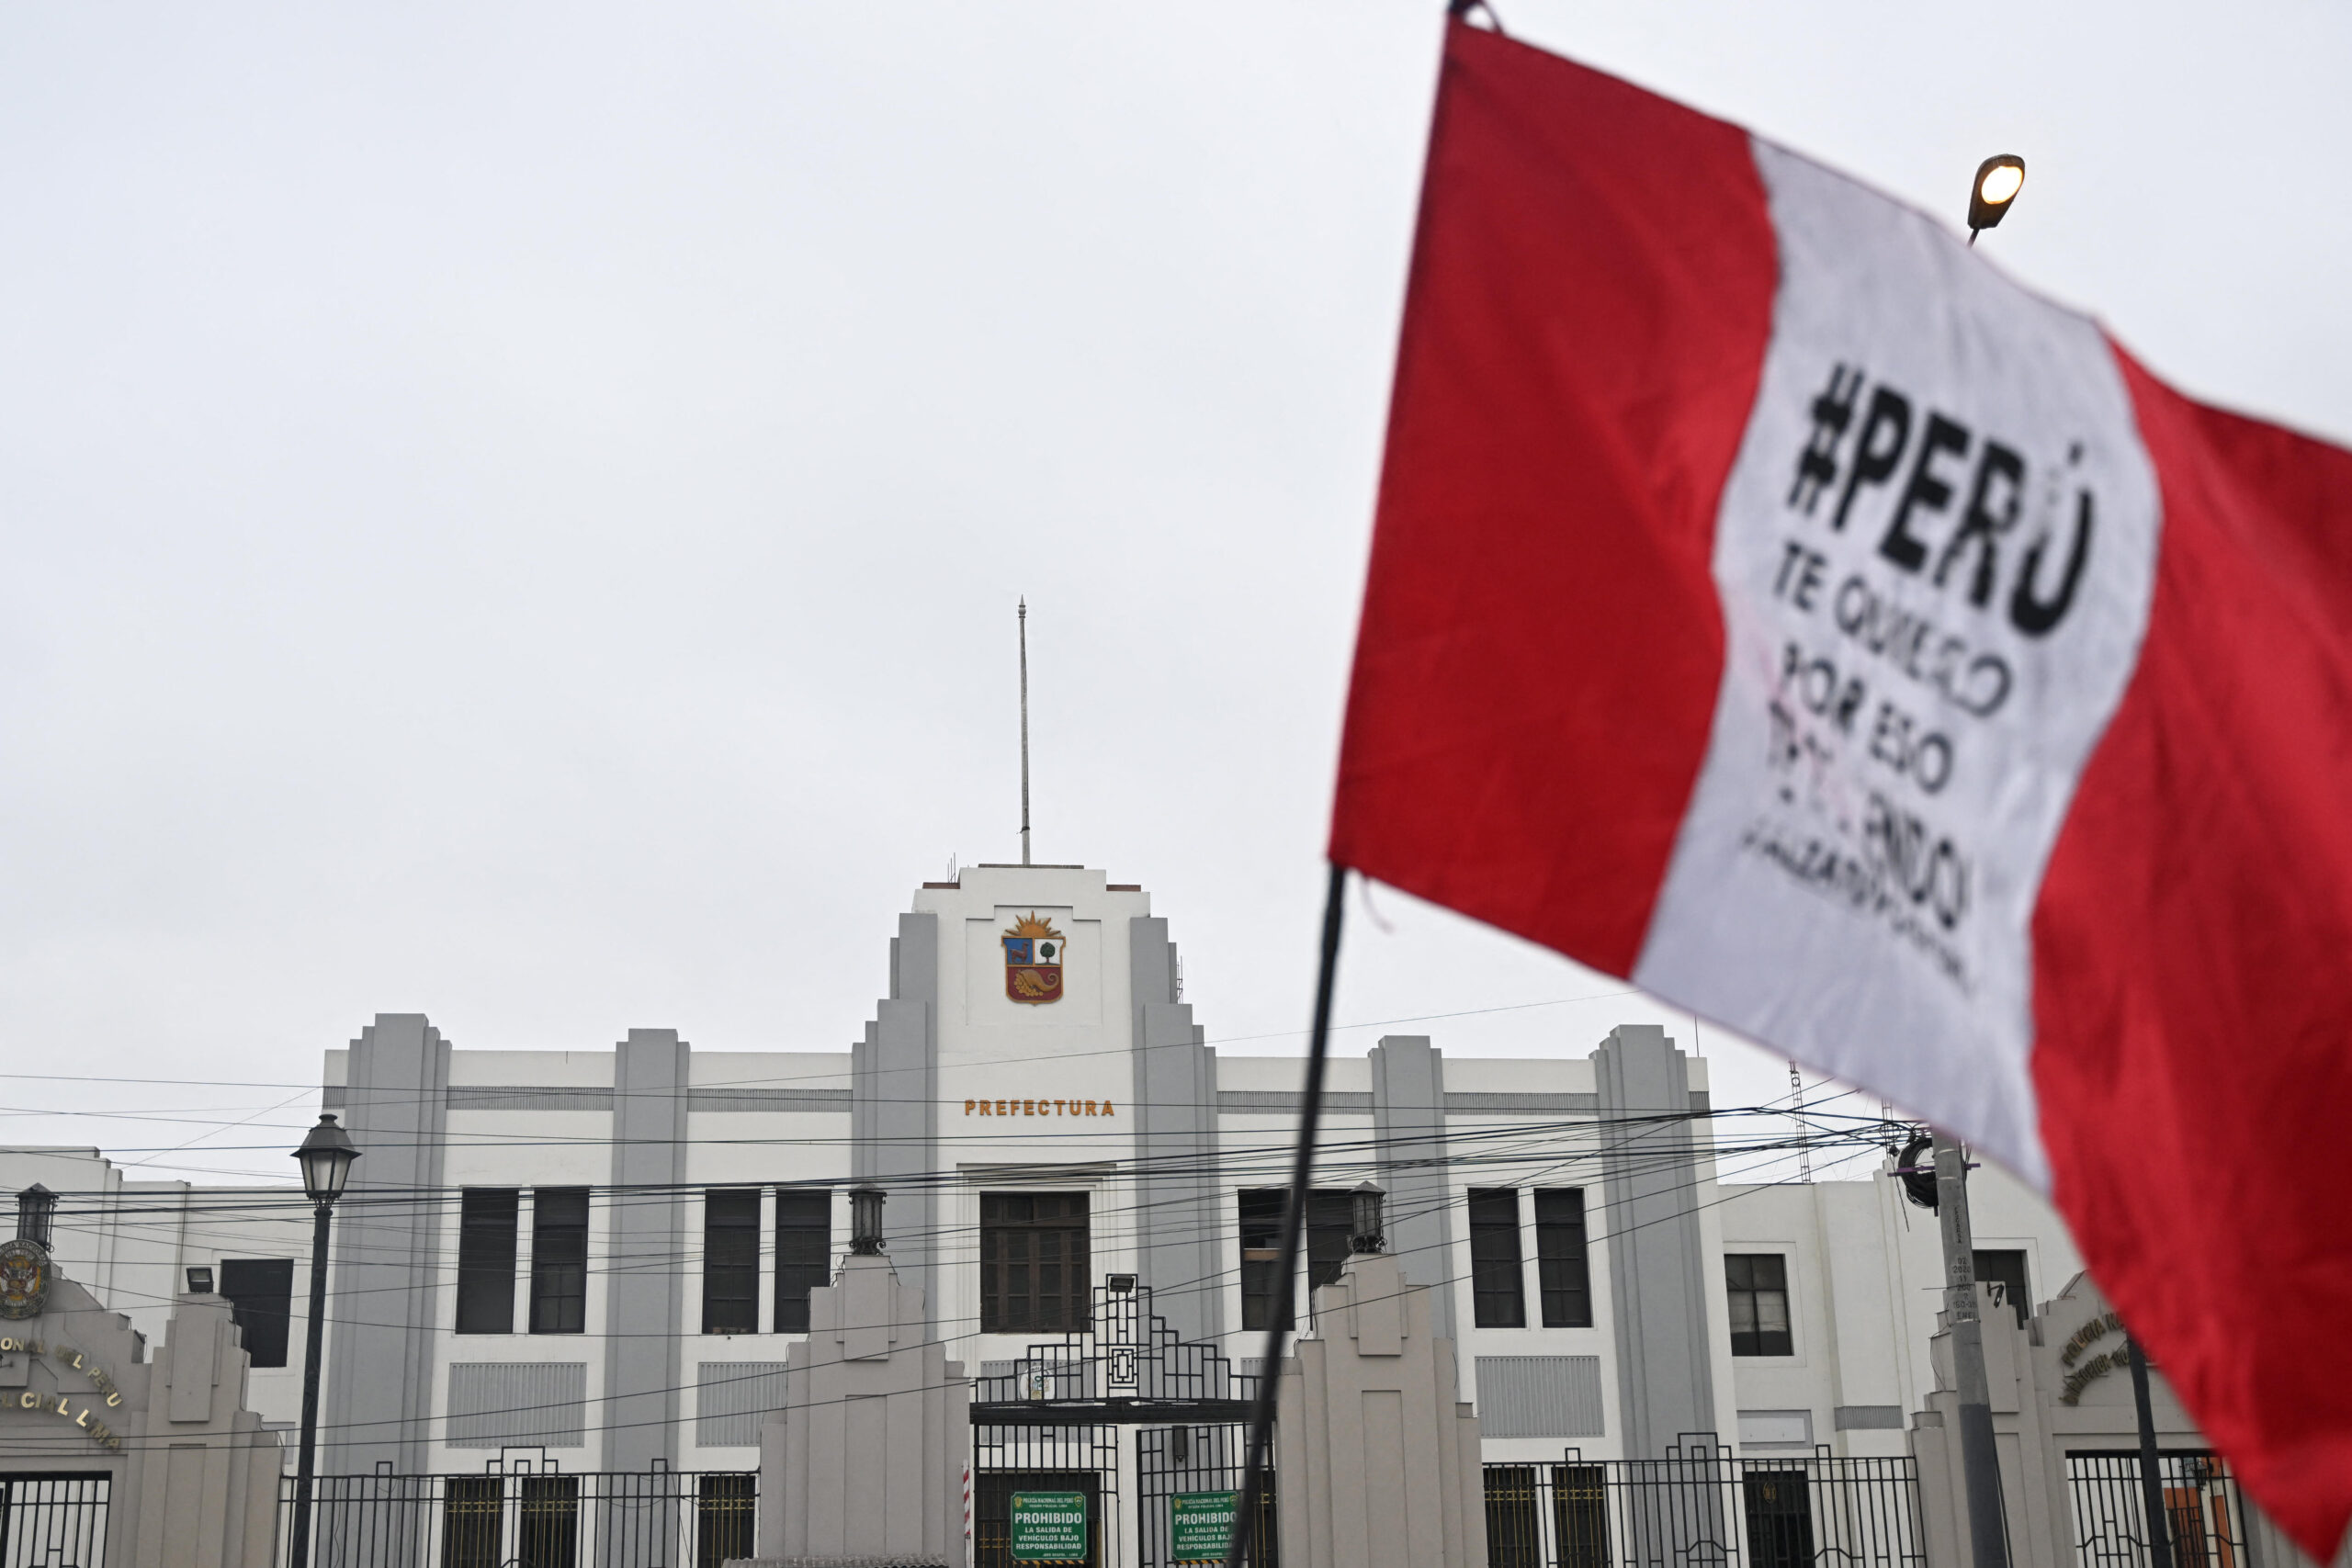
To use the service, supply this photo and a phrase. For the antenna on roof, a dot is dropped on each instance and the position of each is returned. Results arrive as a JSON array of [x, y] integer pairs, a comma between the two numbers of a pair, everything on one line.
[[1805, 1145], [1024, 730]]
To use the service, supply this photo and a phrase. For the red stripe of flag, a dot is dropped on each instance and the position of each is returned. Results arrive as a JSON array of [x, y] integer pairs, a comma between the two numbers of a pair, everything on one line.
[[1574, 348], [2193, 960]]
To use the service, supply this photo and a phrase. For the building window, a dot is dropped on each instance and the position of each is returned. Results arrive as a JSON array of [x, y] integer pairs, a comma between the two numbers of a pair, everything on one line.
[[1495, 1287], [1262, 1255], [2007, 1270], [804, 1253], [1563, 1273], [486, 1259], [548, 1531], [1330, 1219], [559, 1260], [726, 1512], [730, 1260], [261, 1299], [1758, 1285], [1034, 1262], [473, 1511]]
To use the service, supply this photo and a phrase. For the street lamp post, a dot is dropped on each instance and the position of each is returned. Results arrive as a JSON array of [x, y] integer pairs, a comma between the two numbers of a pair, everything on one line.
[[325, 1155]]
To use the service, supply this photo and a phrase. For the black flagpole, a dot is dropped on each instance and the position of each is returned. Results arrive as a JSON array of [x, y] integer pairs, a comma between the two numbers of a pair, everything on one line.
[[1302, 1176]]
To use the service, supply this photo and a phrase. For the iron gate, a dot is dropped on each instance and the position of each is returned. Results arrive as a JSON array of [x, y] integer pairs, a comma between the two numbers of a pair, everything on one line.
[[53, 1520], [2206, 1519], [1174, 1459], [1056, 1419], [1007, 1459]]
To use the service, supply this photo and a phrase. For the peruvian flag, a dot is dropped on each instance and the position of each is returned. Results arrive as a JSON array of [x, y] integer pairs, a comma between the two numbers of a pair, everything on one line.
[[1774, 603]]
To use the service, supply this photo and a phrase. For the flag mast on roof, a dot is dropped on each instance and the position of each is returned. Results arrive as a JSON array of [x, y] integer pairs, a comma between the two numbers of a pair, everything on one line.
[[1024, 730]]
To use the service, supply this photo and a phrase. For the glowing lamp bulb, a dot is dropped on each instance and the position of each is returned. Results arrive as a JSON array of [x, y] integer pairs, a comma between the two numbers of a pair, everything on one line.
[[1998, 180]]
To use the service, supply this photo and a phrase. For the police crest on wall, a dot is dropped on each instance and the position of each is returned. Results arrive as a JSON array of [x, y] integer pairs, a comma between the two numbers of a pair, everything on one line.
[[24, 1279], [1032, 961]]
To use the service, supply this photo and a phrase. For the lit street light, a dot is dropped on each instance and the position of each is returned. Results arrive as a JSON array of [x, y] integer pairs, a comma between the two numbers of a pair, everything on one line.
[[1998, 180], [325, 1156]]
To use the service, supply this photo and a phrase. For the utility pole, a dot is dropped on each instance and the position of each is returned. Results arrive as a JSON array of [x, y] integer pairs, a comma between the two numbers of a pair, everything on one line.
[[1979, 1462], [1024, 730]]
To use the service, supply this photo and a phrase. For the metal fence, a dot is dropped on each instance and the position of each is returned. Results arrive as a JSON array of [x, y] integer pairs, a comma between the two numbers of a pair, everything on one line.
[[2205, 1517], [525, 1515], [53, 1521], [1701, 1507]]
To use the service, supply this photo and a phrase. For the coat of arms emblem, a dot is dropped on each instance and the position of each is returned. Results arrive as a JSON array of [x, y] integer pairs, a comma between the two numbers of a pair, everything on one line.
[[1032, 961], [24, 1279]]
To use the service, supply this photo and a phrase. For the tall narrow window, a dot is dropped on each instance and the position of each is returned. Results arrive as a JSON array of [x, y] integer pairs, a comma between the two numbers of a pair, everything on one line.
[[1261, 1254], [486, 1259], [261, 1299], [1758, 1287], [804, 1252], [1329, 1220], [559, 1260], [1034, 1262], [730, 1260], [1565, 1276], [1495, 1288]]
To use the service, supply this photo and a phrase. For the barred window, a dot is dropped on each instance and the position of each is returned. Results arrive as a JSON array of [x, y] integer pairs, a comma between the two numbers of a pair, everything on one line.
[[1034, 1262]]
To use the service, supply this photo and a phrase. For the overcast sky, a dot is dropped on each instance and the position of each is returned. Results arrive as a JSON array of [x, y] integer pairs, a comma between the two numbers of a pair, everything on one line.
[[515, 513]]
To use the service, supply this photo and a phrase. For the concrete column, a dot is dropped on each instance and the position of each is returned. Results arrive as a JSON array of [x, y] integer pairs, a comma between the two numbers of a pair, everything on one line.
[[377, 1400], [1180, 1227], [867, 1455], [645, 1250], [1377, 1458], [894, 1102], [205, 1482], [1409, 1120], [1656, 1265]]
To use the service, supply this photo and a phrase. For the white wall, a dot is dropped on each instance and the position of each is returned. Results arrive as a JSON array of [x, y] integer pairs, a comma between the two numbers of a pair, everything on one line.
[[1865, 1282]]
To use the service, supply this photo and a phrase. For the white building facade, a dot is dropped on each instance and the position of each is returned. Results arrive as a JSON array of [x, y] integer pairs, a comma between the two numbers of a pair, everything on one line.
[[605, 1253], [597, 1260]]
